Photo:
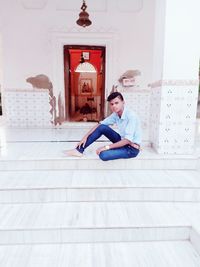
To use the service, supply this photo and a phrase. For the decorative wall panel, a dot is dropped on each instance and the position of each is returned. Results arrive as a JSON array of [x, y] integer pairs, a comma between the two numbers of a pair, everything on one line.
[[27, 108], [139, 101], [172, 119]]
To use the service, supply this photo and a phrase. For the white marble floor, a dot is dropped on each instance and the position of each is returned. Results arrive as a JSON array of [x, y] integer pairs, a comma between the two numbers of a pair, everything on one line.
[[103, 179], [139, 254], [50, 156], [84, 212], [99, 185]]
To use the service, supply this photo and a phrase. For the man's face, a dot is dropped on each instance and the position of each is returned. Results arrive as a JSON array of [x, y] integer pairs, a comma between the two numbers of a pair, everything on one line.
[[117, 105]]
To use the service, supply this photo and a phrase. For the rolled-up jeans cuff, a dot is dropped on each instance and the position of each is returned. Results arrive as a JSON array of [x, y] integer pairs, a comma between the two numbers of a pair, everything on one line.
[[81, 149]]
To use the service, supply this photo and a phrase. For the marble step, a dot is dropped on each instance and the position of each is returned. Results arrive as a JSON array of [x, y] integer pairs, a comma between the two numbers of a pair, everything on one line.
[[191, 212], [137, 254], [70, 132], [91, 222], [99, 185], [50, 156]]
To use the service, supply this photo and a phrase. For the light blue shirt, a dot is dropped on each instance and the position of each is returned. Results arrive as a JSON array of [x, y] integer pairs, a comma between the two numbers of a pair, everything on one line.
[[128, 125]]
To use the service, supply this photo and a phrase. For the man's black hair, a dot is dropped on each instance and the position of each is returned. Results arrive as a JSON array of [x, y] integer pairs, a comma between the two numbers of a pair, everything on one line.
[[114, 95]]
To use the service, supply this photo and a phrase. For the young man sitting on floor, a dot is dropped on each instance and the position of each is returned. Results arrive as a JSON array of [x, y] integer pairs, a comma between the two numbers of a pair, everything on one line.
[[125, 144]]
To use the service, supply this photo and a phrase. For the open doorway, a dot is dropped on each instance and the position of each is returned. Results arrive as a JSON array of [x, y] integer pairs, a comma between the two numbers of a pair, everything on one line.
[[84, 72]]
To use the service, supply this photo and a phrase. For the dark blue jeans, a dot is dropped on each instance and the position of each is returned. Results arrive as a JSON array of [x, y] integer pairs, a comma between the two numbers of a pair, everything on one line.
[[124, 152]]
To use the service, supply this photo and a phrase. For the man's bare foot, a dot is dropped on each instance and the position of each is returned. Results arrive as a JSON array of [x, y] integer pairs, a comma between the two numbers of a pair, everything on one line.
[[73, 153]]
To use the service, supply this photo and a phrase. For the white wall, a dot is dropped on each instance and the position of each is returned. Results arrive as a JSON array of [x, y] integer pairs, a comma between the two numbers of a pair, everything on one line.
[[27, 43], [1, 67], [182, 40], [1, 70], [175, 86], [159, 39]]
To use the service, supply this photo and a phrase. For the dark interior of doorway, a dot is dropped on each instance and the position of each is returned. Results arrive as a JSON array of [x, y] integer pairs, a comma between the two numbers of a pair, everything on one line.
[[84, 91]]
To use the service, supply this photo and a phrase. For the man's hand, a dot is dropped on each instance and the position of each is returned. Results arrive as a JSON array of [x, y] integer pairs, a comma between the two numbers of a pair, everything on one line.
[[82, 142], [100, 149]]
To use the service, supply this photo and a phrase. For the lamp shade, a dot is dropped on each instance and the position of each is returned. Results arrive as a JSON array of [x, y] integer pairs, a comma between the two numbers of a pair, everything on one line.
[[85, 67]]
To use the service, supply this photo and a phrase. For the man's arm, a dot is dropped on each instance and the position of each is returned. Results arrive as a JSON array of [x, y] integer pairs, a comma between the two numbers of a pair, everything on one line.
[[120, 143]]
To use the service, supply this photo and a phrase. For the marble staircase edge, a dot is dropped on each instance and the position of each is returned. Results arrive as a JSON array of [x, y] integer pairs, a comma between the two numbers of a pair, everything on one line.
[[195, 239], [94, 235], [99, 179], [61, 223], [112, 186], [146, 254], [96, 164], [43, 195]]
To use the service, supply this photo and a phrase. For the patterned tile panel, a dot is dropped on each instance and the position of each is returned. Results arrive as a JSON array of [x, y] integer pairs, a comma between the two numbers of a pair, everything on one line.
[[27, 108], [139, 101], [172, 119]]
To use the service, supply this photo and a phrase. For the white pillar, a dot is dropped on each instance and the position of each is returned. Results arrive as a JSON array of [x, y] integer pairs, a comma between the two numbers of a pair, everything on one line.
[[174, 90], [1, 67], [1, 71]]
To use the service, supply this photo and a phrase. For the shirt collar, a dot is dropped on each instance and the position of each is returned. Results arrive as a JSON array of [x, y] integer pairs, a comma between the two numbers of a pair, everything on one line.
[[123, 116]]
